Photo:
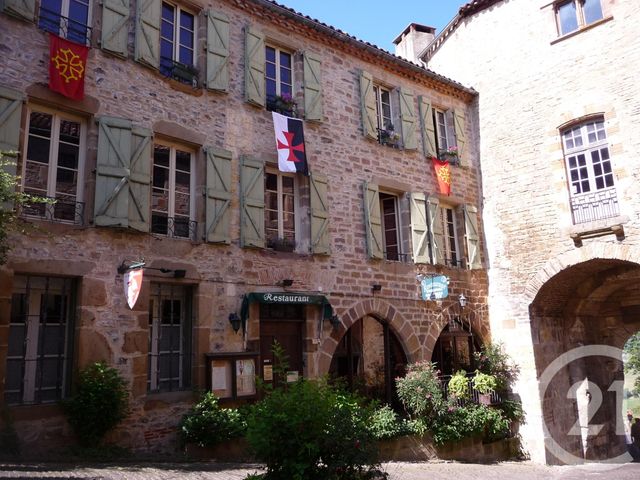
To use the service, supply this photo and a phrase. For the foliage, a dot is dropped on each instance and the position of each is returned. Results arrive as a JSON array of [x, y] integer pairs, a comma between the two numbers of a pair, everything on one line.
[[512, 410], [632, 361], [284, 104], [419, 390], [493, 360], [384, 423], [208, 424], [459, 385], [98, 405], [484, 383], [451, 151], [456, 423], [388, 135]]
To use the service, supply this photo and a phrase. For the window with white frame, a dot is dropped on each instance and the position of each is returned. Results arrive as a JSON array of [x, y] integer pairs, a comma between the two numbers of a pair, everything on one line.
[[170, 338], [53, 164], [66, 18], [172, 200], [177, 39], [281, 196], [40, 340], [572, 15], [589, 171], [391, 236], [383, 111], [450, 247], [445, 130], [278, 75]]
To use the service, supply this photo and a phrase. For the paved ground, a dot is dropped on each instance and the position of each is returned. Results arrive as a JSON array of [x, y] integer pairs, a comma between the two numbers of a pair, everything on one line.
[[397, 471]]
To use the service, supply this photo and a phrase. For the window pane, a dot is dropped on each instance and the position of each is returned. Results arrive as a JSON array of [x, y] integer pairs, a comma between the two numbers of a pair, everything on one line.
[[161, 156], [183, 161], [592, 11], [68, 156], [270, 54], [186, 21], [167, 12], [182, 204], [50, 11], [567, 17], [159, 223]]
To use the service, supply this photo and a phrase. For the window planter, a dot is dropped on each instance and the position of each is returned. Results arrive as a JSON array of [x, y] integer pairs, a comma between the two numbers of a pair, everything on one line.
[[450, 157], [281, 244], [185, 73]]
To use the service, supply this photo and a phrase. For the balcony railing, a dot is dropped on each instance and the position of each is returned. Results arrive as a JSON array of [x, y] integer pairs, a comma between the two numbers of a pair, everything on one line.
[[187, 74], [595, 205], [172, 227], [64, 27], [474, 397], [59, 210]]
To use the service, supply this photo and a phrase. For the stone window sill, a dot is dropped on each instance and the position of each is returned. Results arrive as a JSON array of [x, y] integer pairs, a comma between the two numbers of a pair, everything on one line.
[[598, 228], [582, 29]]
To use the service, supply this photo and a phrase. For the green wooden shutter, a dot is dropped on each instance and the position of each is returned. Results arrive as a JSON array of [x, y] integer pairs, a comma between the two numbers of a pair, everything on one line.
[[320, 240], [115, 26], [218, 196], [10, 115], [459, 125], [427, 128], [147, 49], [368, 106], [312, 87], [24, 9], [254, 67], [217, 51], [373, 221], [419, 230], [436, 233], [252, 203], [408, 119], [471, 236], [140, 178]]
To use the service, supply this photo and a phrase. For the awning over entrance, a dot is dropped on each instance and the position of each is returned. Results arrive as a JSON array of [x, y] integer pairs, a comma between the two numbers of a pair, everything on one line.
[[285, 298]]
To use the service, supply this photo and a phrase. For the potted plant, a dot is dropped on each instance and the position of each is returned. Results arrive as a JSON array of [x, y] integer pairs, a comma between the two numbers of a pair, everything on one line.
[[450, 155], [283, 104], [459, 385], [485, 385], [388, 136]]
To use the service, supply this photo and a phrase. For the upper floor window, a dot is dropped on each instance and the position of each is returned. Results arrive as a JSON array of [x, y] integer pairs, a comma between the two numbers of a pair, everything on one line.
[[66, 18], [177, 40], [278, 75], [53, 164], [574, 14], [391, 233], [280, 192], [172, 208], [445, 136], [589, 170], [449, 227], [384, 116]]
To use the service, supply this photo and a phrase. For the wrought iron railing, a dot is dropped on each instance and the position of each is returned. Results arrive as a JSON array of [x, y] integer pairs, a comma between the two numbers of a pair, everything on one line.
[[172, 227], [56, 210], [187, 74], [474, 396], [64, 27], [596, 205]]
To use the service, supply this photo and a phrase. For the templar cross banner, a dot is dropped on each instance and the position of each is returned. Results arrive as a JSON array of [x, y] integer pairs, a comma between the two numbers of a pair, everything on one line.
[[132, 286], [67, 67], [290, 144], [443, 174]]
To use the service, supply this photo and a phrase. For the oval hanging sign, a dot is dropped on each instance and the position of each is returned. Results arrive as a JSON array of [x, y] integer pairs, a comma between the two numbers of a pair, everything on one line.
[[435, 288]]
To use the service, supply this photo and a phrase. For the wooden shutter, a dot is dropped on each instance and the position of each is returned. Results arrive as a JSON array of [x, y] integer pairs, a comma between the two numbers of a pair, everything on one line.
[[10, 115], [147, 49], [218, 196], [459, 126], [408, 119], [254, 67], [427, 128], [252, 203], [312, 88], [217, 51], [24, 9], [115, 26], [471, 236], [419, 230], [373, 221], [140, 178], [320, 240], [436, 234], [368, 106]]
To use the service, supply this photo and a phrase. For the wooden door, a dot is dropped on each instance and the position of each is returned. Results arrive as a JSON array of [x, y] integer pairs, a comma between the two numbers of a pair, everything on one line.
[[289, 335]]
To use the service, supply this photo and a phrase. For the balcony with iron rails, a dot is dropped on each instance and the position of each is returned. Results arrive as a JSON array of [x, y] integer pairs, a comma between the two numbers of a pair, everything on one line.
[[597, 205], [58, 209], [474, 395], [174, 227], [64, 27]]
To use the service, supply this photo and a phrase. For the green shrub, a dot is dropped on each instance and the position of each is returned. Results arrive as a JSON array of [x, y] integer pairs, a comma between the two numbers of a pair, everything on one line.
[[384, 423], [493, 360], [459, 385], [208, 424], [419, 390], [512, 410], [471, 420], [484, 383], [98, 405]]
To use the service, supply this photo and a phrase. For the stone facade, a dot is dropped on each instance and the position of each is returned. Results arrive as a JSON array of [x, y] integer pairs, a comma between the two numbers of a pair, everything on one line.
[[218, 275], [555, 282]]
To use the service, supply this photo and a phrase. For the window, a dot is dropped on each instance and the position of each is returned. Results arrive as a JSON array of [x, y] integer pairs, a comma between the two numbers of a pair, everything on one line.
[[280, 191], [67, 18], [177, 42], [40, 336], [278, 74], [53, 165], [170, 328], [575, 14], [383, 110], [390, 227], [172, 199], [589, 171], [450, 236], [445, 130]]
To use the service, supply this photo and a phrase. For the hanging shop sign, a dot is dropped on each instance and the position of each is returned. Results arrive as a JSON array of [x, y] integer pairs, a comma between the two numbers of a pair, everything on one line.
[[435, 288]]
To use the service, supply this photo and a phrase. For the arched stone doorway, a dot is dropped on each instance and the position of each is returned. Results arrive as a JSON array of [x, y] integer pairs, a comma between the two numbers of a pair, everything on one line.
[[594, 302]]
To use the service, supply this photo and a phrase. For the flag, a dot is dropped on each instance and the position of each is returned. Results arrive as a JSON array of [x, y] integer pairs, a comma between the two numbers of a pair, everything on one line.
[[132, 286], [67, 66], [443, 174], [290, 144]]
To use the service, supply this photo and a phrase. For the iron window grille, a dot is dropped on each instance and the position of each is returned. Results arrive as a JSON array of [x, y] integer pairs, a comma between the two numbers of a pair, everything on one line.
[[73, 27], [59, 209], [174, 227]]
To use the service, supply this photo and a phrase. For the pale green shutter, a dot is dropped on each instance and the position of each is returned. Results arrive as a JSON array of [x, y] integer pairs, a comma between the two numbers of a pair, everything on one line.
[[419, 230], [10, 116], [217, 51], [252, 203], [436, 233], [459, 125], [320, 240], [24, 9], [373, 221], [408, 119], [368, 106], [147, 49], [115, 26], [254, 67], [218, 196], [471, 237], [140, 178], [427, 128], [312, 88]]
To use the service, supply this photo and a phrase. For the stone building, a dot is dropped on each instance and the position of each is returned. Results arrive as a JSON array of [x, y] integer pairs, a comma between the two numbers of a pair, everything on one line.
[[560, 141], [170, 161]]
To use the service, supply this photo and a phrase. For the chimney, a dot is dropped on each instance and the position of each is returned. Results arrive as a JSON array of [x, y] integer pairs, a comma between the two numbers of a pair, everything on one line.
[[414, 40]]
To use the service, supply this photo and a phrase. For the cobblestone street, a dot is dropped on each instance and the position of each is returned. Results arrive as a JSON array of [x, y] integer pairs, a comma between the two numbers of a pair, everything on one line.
[[396, 470]]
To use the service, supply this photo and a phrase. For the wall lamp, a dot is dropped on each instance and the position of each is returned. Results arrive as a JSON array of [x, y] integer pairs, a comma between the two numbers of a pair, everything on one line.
[[334, 320], [287, 282], [376, 288], [234, 320], [463, 300], [124, 268]]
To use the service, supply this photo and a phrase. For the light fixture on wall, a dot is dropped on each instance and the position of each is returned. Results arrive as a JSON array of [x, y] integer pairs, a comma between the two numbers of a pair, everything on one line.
[[234, 320], [287, 282], [335, 321], [376, 288], [124, 268], [463, 300]]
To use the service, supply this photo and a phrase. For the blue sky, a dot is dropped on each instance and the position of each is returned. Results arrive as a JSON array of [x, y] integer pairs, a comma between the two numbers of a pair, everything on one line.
[[378, 21]]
